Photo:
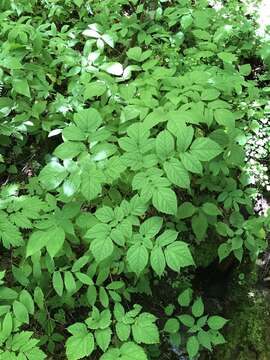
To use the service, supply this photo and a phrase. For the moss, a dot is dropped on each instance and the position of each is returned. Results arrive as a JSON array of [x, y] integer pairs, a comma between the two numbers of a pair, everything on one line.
[[247, 333]]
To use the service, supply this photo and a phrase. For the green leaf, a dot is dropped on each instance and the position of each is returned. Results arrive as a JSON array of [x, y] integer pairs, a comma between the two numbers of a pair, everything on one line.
[[167, 237], [144, 330], [123, 331], [134, 53], [198, 308], [58, 284], [202, 321], [27, 301], [211, 209], [177, 174], [90, 186], [73, 133], [225, 117], [186, 210], [227, 57], [205, 149], [52, 175], [11, 62], [204, 339], [157, 260], [103, 338], [191, 163], [128, 351], [80, 263], [192, 346], [88, 120], [77, 347], [7, 293], [187, 320], [185, 297], [78, 2], [69, 282], [178, 255], [224, 251], [137, 257], [115, 285], [39, 297], [20, 312], [56, 238], [78, 329], [98, 231], [216, 337], [108, 39], [36, 242], [245, 69], [216, 322], [68, 150], [84, 279], [164, 200], [113, 68], [92, 33], [210, 94], [7, 326], [164, 145], [131, 351], [102, 248], [21, 87], [199, 225], [237, 242], [104, 214], [183, 133], [103, 298], [154, 118], [151, 226], [93, 89], [186, 21], [172, 326]]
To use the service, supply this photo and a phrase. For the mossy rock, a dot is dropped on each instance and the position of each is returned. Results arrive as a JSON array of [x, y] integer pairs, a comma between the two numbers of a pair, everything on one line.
[[248, 308]]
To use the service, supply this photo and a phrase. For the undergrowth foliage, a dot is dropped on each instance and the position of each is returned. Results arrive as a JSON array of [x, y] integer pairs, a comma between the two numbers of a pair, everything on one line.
[[122, 149]]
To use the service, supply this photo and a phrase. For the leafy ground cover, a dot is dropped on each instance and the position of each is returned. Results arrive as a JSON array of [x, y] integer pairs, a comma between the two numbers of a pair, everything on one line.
[[126, 137]]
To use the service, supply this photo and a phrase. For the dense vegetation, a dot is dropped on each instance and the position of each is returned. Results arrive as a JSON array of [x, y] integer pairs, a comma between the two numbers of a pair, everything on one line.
[[125, 129]]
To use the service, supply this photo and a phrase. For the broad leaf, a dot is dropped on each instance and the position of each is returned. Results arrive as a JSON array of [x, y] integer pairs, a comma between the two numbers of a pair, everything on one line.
[[93, 89], [216, 322], [58, 283], [198, 308], [20, 312], [56, 238], [164, 200], [157, 260], [101, 248], [178, 255], [225, 117], [177, 174], [191, 163], [137, 257], [77, 347], [128, 351], [164, 145], [144, 330], [52, 175], [192, 346], [205, 149], [103, 338], [36, 242]]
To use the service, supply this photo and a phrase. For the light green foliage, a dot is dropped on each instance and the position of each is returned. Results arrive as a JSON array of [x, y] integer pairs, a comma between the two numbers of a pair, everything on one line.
[[121, 151]]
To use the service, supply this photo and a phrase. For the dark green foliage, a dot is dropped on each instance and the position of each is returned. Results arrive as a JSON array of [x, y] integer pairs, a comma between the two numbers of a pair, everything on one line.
[[122, 162]]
